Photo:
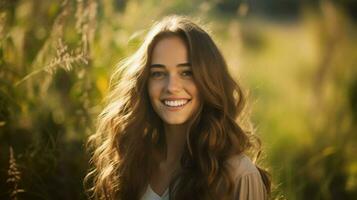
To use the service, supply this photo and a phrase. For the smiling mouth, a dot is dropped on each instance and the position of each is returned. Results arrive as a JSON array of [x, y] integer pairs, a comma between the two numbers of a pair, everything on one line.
[[175, 103]]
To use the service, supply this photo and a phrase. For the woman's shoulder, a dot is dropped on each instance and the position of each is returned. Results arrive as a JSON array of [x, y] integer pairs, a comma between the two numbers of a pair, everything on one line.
[[247, 179], [241, 165]]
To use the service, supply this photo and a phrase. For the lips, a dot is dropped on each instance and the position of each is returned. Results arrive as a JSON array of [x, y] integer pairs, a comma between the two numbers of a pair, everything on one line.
[[175, 103]]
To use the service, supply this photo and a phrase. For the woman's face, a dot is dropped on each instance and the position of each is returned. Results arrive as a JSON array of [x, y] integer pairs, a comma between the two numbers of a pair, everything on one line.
[[172, 90]]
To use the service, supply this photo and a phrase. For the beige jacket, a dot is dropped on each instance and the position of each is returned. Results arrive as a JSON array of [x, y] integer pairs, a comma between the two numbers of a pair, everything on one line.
[[247, 179], [248, 182]]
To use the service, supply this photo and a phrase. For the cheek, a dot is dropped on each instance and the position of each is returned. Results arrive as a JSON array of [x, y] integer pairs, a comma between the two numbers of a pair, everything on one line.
[[193, 90], [196, 94], [153, 90]]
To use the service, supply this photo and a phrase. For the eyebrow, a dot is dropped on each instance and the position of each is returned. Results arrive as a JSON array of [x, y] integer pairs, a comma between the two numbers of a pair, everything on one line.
[[163, 66]]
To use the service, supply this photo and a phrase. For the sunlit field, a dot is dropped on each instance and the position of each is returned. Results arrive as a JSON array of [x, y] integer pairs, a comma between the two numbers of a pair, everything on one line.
[[297, 63]]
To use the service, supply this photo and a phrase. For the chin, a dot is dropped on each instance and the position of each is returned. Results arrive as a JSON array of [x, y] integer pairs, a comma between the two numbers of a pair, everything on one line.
[[175, 121]]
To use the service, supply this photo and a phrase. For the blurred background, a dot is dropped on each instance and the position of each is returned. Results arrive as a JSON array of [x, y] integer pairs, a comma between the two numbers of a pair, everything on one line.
[[296, 58]]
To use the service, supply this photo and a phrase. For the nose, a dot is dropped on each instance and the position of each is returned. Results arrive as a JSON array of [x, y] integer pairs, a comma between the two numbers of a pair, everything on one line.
[[174, 84]]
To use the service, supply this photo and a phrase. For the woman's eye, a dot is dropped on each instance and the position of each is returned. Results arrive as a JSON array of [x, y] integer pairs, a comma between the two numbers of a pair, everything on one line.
[[157, 74], [187, 73]]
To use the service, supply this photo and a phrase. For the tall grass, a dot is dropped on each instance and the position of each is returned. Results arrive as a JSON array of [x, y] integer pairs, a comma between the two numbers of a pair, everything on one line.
[[14, 177]]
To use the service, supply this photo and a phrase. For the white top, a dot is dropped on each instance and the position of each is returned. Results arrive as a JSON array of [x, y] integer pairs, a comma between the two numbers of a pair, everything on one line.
[[151, 195], [247, 180]]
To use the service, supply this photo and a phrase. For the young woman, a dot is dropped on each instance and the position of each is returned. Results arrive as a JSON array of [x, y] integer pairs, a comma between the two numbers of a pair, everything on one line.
[[170, 129]]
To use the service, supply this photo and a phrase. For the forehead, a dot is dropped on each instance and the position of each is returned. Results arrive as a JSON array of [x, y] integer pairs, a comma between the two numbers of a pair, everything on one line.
[[169, 51]]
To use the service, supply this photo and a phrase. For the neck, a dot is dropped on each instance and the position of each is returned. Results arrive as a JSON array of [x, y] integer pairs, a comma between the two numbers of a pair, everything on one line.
[[175, 142]]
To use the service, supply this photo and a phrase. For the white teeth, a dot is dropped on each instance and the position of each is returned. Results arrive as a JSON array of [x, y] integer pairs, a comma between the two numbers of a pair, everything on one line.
[[175, 103]]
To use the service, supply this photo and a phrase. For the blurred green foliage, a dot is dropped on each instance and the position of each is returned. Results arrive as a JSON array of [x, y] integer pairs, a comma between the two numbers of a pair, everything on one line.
[[298, 60]]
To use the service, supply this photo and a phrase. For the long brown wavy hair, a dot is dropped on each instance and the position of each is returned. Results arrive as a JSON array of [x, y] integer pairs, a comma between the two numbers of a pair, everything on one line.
[[129, 132]]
